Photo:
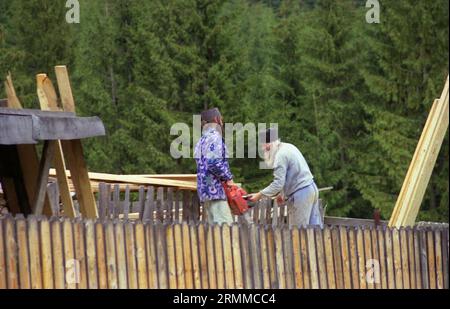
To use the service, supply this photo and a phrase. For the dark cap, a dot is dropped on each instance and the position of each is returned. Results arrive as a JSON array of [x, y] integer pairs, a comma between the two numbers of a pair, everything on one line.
[[268, 136], [209, 114]]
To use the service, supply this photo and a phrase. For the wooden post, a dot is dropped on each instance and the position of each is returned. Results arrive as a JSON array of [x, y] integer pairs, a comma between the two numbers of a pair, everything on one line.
[[47, 156], [74, 150], [48, 101]]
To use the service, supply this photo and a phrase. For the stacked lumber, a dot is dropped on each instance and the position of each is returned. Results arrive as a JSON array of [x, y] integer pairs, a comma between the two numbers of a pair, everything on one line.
[[179, 181], [419, 172]]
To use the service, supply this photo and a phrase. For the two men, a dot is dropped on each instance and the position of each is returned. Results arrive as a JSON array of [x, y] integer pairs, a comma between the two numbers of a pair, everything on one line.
[[293, 180]]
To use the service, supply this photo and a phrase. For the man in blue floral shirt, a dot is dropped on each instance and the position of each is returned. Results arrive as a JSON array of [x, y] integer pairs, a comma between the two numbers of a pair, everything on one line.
[[212, 168]]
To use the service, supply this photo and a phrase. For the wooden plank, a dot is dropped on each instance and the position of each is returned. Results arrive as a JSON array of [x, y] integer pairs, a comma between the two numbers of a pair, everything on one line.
[[121, 254], [353, 257], [141, 256], [126, 202], [212, 274], [281, 274], [201, 228], [73, 151], [397, 259], [367, 237], [237, 259], [321, 264], [11, 253], [160, 204], [13, 100], [44, 166], [111, 255], [161, 256], [219, 256], [228, 257], [130, 244], [179, 255], [172, 265], [377, 259], [91, 255], [141, 202], [331, 276], [361, 258], [304, 255], [80, 252], [100, 252], [438, 259], [48, 102], [187, 258], [424, 259], [46, 254], [34, 253], [404, 258], [288, 257], [152, 253], [71, 267], [57, 253], [272, 258], [254, 256], [196, 264], [23, 258], [381, 247], [417, 270], [65, 91], [445, 247], [3, 268], [298, 271], [337, 258], [345, 257], [264, 258], [390, 259], [422, 164], [431, 259], [115, 206], [149, 205]]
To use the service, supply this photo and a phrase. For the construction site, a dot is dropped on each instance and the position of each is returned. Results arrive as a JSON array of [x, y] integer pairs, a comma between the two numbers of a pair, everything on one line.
[[91, 196], [65, 214]]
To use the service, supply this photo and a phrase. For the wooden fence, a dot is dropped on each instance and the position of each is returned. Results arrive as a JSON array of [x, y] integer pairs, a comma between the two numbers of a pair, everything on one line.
[[62, 253]]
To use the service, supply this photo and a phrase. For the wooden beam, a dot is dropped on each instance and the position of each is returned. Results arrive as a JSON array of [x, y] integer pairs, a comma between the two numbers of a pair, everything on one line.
[[27, 153], [13, 100], [419, 172], [133, 179], [65, 91], [44, 166], [48, 101], [74, 150]]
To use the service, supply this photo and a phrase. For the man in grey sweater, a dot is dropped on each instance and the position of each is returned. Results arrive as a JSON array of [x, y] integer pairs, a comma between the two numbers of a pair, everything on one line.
[[293, 181]]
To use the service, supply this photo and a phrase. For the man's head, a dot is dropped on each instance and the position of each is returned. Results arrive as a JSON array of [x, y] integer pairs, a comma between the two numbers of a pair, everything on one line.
[[212, 116], [268, 137], [270, 145]]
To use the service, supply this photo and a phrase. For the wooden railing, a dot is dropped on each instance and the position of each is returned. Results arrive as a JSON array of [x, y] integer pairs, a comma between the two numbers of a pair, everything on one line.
[[38, 252]]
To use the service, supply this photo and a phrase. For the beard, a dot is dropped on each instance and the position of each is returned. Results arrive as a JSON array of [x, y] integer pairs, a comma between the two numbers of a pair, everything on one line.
[[269, 155]]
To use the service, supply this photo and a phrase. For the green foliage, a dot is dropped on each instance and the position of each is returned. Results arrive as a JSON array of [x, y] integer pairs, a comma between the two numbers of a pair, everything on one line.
[[352, 96]]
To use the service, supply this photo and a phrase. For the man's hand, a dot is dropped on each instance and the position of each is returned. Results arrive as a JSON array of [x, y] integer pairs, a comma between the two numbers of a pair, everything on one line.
[[254, 197]]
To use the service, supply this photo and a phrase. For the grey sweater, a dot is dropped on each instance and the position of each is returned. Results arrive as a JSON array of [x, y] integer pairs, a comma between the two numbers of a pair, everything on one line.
[[291, 172]]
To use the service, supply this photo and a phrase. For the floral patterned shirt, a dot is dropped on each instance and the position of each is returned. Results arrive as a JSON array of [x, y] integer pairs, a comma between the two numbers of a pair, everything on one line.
[[212, 166]]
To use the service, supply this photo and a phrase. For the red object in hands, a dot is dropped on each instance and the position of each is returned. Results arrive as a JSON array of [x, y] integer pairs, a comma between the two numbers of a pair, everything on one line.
[[238, 204]]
